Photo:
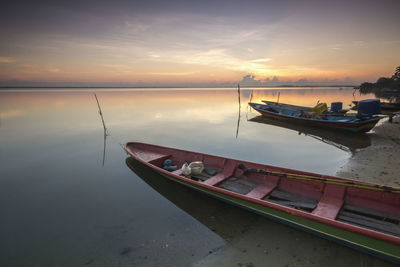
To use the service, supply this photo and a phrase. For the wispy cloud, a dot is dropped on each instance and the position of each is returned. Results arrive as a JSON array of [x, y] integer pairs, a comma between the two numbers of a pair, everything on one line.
[[11, 113], [261, 60], [6, 60], [173, 73], [54, 70], [221, 58]]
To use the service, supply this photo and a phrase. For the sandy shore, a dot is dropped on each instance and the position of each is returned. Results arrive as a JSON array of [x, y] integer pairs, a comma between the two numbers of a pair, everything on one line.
[[262, 242], [380, 162]]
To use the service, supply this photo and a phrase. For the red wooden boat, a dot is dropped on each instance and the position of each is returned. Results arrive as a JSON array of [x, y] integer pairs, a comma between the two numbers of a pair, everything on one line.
[[361, 215]]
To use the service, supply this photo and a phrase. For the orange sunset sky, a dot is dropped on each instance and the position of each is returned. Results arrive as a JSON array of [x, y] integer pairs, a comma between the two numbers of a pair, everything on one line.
[[198, 43]]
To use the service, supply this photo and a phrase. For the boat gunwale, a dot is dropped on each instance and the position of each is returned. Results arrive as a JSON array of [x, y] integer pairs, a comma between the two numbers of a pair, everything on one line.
[[332, 222]]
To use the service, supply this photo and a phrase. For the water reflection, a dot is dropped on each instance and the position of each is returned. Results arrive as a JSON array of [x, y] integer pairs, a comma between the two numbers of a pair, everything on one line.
[[225, 220], [344, 141]]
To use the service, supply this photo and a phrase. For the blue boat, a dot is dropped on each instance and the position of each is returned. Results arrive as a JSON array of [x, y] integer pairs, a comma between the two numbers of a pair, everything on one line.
[[350, 123]]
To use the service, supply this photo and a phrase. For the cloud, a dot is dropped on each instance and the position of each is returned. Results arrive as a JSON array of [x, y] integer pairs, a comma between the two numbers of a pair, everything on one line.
[[118, 66], [261, 60], [6, 60], [54, 70], [221, 58], [135, 27], [173, 73], [251, 80], [11, 113], [154, 55]]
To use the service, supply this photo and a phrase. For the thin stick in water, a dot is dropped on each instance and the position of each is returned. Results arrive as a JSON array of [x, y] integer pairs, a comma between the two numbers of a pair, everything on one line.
[[101, 115], [238, 122]]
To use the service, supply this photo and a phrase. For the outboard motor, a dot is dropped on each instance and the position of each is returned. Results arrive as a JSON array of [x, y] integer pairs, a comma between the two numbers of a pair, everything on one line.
[[368, 107]]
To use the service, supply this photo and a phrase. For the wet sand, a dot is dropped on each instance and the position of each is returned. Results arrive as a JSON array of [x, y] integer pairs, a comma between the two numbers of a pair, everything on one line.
[[263, 242], [380, 162]]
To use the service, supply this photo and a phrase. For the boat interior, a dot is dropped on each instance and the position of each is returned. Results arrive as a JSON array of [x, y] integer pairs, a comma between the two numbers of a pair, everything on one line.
[[287, 111], [367, 208]]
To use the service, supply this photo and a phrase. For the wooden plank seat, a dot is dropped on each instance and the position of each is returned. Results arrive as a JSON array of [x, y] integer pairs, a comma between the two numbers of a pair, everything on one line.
[[228, 171], [328, 207], [263, 190], [331, 202]]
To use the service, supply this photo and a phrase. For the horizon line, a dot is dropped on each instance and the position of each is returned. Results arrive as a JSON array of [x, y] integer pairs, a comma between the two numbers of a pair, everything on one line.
[[127, 87]]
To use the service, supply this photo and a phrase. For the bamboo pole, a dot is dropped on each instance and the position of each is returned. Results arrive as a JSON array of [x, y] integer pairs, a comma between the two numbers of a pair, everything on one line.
[[355, 184], [238, 122], [104, 127], [101, 115]]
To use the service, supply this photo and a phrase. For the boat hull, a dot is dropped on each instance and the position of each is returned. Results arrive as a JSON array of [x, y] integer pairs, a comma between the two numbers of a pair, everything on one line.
[[362, 127]]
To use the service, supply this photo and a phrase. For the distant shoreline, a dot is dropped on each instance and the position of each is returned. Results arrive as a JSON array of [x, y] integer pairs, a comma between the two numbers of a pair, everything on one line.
[[166, 87]]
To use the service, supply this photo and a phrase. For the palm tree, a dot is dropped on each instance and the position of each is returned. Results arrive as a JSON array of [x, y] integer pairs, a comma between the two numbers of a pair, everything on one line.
[[396, 75]]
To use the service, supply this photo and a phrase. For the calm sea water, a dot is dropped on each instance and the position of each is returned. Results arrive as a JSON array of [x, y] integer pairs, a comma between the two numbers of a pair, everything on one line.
[[68, 198]]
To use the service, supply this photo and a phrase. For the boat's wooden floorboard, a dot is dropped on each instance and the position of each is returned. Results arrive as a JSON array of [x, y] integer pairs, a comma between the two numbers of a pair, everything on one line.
[[372, 213], [292, 200], [364, 221], [281, 195], [298, 204], [238, 185], [202, 176]]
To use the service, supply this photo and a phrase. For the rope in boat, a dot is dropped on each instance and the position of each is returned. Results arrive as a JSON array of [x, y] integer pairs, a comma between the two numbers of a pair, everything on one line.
[[323, 180]]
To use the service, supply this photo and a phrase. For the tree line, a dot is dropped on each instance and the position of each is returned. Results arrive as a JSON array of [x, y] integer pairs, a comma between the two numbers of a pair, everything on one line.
[[383, 84]]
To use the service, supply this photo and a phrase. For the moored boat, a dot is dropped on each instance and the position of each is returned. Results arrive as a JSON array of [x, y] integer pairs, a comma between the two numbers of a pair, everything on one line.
[[361, 215], [385, 106], [347, 123]]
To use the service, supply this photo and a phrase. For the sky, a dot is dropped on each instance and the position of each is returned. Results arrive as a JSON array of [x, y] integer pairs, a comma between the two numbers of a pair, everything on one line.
[[207, 42]]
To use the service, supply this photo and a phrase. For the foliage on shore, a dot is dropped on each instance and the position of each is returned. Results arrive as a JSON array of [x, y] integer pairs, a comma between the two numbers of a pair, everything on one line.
[[383, 85]]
